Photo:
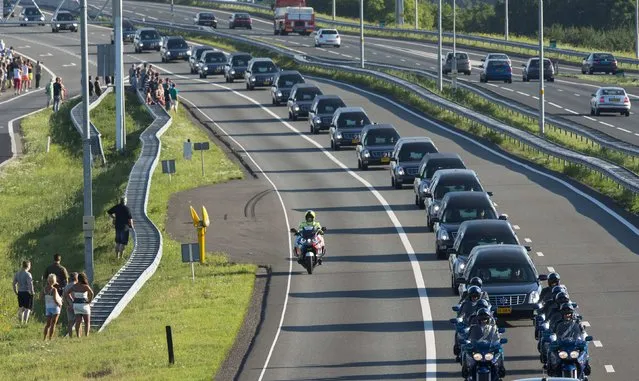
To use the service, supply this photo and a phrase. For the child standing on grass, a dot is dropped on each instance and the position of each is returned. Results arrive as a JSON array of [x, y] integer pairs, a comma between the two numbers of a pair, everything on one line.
[[52, 304]]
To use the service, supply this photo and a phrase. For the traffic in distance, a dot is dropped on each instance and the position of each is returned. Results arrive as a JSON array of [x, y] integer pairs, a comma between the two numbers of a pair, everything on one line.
[[489, 268]]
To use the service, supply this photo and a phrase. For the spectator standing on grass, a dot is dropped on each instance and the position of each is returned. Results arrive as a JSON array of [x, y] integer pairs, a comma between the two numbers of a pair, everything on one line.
[[23, 288], [52, 304], [25, 76], [3, 73], [17, 77], [38, 74], [81, 294], [133, 80], [58, 91], [167, 95], [90, 87], [123, 221], [60, 272], [68, 302], [174, 96], [48, 90], [96, 86], [149, 97]]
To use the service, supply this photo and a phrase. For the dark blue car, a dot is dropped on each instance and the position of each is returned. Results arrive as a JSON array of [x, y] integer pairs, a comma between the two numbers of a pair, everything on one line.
[[496, 70]]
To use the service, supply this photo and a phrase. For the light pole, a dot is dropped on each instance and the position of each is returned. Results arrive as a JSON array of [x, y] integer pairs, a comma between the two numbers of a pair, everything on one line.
[[361, 31], [417, 17], [333, 9], [637, 28], [87, 219], [453, 68], [506, 20], [542, 111], [120, 135], [440, 80]]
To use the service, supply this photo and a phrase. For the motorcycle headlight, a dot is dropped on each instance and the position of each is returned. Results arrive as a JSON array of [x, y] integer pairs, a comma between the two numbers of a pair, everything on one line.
[[279, 93], [442, 234], [339, 135], [462, 266], [534, 297], [188, 52], [232, 71], [141, 44], [366, 153], [309, 241], [477, 356], [41, 18], [57, 25], [400, 171], [168, 53], [489, 356], [563, 355], [75, 24], [317, 119], [435, 208], [252, 79], [574, 354]]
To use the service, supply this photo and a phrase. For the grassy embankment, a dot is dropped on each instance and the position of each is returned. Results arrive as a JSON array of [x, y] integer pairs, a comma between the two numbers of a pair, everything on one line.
[[46, 189], [602, 184]]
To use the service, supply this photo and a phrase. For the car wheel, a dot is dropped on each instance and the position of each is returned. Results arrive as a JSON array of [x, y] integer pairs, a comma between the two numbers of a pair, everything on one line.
[[293, 116], [398, 185], [591, 71], [592, 111], [597, 112], [364, 166], [583, 71], [421, 203], [231, 79], [627, 113], [453, 284], [440, 254]]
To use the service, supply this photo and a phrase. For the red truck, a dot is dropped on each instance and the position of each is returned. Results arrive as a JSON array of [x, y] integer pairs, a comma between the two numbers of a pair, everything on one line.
[[293, 16]]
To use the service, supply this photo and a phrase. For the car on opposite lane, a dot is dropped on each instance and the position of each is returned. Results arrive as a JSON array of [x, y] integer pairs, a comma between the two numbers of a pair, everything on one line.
[[496, 70], [211, 63], [327, 37], [321, 112], [283, 82], [430, 164], [444, 181], [463, 63], [531, 70], [509, 277], [457, 207], [236, 66], [174, 48], [240, 20], [497, 56], [610, 99], [195, 53], [205, 19], [63, 20], [599, 63], [300, 100], [406, 157], [476, 233], [376, 146], [31, 14], [346, 127], [146, 39], [128, 32], [260, 73]]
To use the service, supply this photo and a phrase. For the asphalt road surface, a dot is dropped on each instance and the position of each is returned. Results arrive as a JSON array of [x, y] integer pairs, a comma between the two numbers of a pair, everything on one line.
[[568, 98], [360, 316]]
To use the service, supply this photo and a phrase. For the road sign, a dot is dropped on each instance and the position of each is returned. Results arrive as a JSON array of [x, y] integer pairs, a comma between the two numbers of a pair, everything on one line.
[[204, 146], [191, 254], [168, 166], [188, 149]]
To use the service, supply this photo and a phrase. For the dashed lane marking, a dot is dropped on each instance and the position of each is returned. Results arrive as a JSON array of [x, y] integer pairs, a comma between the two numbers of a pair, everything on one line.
[[624, 130], [597, 343], [589, 118], [572, 112], [332, 52], [152, 18], [432, 67], [516, 227], [555, 105], [636, 134], [551, 269], [606, 124], [560, 90], [374, 53], [536, 97], [418, 64], [577, 95], [609, 369], [585, 324], [403, 60], [322, 49], [388, 56], [539, 254], [524, 94], [527, 240], [492, 84], [347, 56], [507, 89]]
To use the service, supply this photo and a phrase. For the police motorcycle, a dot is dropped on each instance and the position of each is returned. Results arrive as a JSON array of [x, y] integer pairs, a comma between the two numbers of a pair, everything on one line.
[[546, 306], [309, 246], [547, 323], [482, 359], [568, 349], [468, 305], [463, 322]]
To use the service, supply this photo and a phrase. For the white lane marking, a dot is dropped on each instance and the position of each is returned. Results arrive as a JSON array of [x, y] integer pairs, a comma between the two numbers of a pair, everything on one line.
[[432, 68], [332, 52], [585, 323], [577, 95], [508, 89], [572, 112], [288, 227], [429, 333], [527, 240], [589, 118], [294, 42], [551, 269], [524, 94], [388, 56], [142, 14], [606, 124], [492, 84], [609, 369], [536, 97], [322, 49], [555, 105], [46, 55], [539, 254], [516, 227], [560, 90], [374, 53], [69, 65], [624, 130], [152, 18], [418, 64], [347, 56], [636, 134], [597, 343], [403, 60]]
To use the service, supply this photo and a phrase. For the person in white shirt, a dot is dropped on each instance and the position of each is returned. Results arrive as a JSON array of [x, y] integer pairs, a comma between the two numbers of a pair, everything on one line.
[[17, 79]]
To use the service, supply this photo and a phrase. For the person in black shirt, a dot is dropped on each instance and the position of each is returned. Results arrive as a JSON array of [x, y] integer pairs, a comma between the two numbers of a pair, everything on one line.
[[123, 221], [60, 272], [57, 94], [90, 87], [96, 87]]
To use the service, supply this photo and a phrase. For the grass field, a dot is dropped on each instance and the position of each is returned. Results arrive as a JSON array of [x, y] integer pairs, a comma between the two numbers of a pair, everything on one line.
[[205, 316]]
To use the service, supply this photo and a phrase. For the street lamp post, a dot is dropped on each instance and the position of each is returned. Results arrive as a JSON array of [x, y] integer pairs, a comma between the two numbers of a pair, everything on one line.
[[440, 81], [506, 20], [453, 68], [334, 9], [417, 16], [542, 106], [361, 31], [637, 28]]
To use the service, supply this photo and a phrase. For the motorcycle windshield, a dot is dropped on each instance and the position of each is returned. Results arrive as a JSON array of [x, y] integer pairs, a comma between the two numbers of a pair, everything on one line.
[[308, 233]]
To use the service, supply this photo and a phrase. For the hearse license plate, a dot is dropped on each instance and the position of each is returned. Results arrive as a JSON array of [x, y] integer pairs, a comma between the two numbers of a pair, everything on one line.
[[504, 310]]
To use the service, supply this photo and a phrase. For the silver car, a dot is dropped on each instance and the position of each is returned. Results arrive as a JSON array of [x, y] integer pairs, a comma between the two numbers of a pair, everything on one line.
[[496, 56], [610, 99], [463, 63]]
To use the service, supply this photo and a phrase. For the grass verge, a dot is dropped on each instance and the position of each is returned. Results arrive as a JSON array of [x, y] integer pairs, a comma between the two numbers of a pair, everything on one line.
[[594, 180], [205, 315], [410, 35], [607, 79]]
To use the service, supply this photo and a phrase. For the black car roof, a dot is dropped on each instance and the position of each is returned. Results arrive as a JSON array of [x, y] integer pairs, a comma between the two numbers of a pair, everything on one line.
[[324, 97], [456, 173], [380, 126], [473, 226], [240, 54], [441, 155], [289, 72], [466, 198], [514, 254], [175, 38], [305, 86]]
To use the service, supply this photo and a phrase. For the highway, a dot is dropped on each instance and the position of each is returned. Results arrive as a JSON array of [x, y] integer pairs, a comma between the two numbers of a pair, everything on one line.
[[566, 98], [361, 316]]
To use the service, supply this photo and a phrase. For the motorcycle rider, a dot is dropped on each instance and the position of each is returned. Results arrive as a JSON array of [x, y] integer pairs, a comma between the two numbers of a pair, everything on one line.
[[475, 281], [468, 306], [469, 321], [569, 328], [310, 223], [553, 280], [484, 330]]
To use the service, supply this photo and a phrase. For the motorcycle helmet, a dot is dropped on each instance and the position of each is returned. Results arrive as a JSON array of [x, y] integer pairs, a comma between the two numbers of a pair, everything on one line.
[[561, 298], [482, 303], [309, 216], [474, 293], [476, 281], [483, 316], [553, 279], [557, 289], [567, 311]]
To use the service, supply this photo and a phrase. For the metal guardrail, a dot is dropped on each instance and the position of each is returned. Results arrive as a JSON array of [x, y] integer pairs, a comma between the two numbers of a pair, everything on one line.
[[622, 176], [459, 36], [96, 138], [147, 250]]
